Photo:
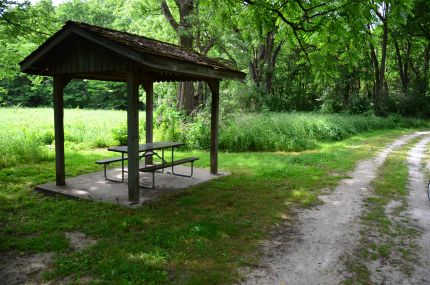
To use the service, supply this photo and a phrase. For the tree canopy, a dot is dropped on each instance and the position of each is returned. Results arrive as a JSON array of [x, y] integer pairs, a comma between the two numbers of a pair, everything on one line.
[[332, 56]]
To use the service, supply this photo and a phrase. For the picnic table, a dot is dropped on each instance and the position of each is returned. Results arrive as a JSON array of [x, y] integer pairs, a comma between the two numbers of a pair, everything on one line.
[[149, 150]]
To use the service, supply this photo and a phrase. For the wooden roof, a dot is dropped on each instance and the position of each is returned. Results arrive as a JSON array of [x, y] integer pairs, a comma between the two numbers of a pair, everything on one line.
[[81, 50]]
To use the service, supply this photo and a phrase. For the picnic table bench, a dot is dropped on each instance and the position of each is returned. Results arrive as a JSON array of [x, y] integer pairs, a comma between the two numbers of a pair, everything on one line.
[[148, 150]]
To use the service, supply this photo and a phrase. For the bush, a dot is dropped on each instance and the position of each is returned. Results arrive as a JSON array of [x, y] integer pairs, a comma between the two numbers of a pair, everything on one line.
[[47, 137], [21, 147], [119, 134], [100, 142]]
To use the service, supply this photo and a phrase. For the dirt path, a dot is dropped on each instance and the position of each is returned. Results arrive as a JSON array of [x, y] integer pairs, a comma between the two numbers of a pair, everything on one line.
[[419, 209], [310, 253], [20, 268]]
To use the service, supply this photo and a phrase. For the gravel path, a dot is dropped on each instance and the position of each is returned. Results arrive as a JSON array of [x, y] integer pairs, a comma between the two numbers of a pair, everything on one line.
[[419, 209], [310, 252]]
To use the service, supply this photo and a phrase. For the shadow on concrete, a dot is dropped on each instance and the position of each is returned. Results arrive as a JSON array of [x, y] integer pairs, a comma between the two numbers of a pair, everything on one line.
[[94, 187]]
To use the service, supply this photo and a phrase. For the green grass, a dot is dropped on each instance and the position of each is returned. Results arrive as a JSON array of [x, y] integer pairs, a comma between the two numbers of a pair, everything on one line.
[[301, 131], [26, 134], [392, 238], [198, 236]]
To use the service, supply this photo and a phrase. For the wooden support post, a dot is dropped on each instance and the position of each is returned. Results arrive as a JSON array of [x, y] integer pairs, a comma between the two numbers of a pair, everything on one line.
[[148, 85], [133, 136], [214, 86], [60, 170]]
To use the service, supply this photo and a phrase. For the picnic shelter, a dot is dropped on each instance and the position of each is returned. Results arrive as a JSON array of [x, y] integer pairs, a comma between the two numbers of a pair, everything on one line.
[[83, 51]]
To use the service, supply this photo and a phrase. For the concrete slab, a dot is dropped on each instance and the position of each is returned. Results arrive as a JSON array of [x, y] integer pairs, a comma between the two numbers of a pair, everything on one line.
[[94, 187]]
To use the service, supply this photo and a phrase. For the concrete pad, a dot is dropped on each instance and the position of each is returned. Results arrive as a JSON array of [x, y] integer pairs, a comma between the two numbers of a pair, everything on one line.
[[95, 187]]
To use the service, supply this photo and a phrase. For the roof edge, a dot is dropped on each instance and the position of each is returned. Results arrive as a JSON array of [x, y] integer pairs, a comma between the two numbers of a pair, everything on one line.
[[145, 58]]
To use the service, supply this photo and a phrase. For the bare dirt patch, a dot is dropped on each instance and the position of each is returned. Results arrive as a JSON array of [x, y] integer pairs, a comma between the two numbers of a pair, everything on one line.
[[18, 268], [79, 241], [310, 252]]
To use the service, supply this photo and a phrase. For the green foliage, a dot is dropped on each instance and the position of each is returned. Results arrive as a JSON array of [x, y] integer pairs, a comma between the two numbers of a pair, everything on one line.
[[279, 131], [323, 62], [27, 134], [47, 137], [119, 134], [169, 121]]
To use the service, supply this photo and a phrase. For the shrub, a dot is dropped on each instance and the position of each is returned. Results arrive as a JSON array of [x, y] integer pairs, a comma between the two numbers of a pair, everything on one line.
[[119, 134], [100, 142], [21, 146], [47, 137]]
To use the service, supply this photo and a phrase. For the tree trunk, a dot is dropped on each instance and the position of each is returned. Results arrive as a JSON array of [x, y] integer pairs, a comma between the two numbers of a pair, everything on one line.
[[381, 77], [185, 96], [376, 84], [426, 56], [262, 66], [379, 68], [403, 65]]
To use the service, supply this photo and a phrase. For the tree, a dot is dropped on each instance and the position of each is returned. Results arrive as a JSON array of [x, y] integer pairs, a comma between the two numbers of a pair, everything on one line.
[[183, 28], [382, 11]]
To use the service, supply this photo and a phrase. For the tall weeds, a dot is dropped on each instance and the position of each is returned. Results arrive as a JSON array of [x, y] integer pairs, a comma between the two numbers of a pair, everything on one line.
[[300, 131], [27, 135]]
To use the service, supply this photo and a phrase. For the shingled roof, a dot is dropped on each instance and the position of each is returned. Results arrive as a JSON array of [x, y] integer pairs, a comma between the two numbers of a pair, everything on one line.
[[159, 56]]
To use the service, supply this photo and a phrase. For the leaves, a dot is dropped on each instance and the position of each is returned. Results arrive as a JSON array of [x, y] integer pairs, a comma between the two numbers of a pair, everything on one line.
[[299, 55]]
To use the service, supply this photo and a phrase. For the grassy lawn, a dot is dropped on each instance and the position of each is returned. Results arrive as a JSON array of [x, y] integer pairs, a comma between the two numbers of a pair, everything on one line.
[[199, 236]]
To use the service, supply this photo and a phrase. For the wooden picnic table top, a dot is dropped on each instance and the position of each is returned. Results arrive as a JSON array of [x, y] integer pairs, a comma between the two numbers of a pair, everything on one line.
[[148, 146]]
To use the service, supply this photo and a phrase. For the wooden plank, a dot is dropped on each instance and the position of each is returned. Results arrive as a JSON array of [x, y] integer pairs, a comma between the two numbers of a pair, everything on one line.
[[133, 136], [214, 86], [148, 85], [149, 61], [168, 164], [148, 146], [110, 160], [122, 50], [108, 76], [162, 63], [46, 47], [60, 171]]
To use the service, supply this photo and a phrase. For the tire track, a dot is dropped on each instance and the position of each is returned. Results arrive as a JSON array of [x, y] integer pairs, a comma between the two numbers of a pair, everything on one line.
[[311, 252], [419, 210]]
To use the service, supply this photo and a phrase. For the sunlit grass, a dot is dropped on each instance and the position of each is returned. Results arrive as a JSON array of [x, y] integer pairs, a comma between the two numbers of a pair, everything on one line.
[[198, 236], [27, 135]]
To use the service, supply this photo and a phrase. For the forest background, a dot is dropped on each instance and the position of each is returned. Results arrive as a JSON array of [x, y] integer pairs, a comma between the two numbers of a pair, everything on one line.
[[342, 56]]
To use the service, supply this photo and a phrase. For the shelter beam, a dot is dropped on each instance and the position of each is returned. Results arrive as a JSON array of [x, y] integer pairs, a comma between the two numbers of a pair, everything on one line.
[[214, 86], [148, 85], [133, 136], [60, 83]]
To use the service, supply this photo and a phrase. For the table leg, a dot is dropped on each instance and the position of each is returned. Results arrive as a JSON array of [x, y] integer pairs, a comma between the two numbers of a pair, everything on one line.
[[143, 156], [162, 159], [122, 167], [172, 161]]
